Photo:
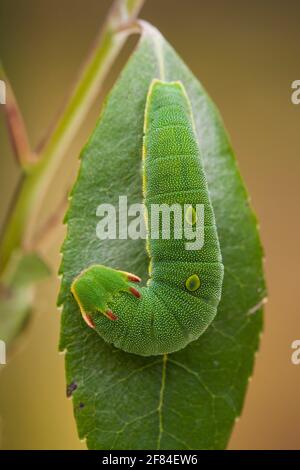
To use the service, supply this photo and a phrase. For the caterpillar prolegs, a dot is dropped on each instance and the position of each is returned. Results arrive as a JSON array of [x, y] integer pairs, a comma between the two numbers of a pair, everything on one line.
[[184, 288]]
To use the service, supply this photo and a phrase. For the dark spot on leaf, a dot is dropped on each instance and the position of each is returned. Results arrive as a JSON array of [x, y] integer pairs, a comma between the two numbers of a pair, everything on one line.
[[71, 388], [81, 405]]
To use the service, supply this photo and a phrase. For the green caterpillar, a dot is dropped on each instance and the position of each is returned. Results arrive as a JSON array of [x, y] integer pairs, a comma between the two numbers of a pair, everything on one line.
[[184, 286]]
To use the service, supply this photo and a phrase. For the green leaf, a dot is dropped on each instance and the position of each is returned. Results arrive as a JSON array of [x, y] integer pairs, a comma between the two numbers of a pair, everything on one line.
[[190, 399], [17, 289]]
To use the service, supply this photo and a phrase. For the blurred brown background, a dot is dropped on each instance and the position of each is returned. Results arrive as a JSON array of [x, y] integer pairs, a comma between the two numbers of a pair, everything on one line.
[[247, 55]]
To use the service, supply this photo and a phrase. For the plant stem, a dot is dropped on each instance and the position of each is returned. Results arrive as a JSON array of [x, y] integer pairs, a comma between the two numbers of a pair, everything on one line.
[[120, 23], [16, 126]]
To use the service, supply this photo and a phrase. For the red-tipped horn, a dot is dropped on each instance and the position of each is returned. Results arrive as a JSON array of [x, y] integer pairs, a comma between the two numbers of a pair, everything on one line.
[[135, 292], [111, 315], [133, 278]]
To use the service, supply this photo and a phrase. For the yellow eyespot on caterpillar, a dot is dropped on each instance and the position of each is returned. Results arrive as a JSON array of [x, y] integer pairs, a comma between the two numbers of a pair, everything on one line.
[[191, 215], [192, 283], [161, 317]]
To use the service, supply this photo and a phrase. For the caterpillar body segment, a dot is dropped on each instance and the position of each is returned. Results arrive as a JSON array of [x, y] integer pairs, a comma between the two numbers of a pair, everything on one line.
[[182, 294]]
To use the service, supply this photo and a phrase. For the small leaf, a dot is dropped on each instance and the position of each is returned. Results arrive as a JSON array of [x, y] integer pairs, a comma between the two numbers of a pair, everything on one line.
[[31, 268], [17, 292], [190, 399]]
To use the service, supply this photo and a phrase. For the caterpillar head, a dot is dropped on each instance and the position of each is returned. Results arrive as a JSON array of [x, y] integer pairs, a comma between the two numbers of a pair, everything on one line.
[[95, 287]]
